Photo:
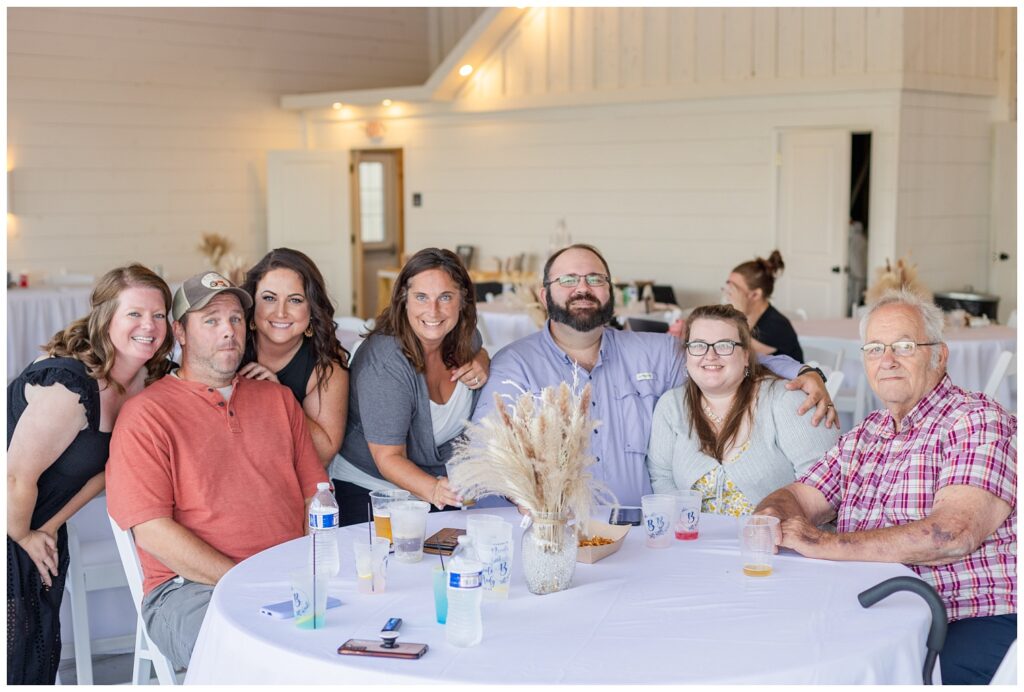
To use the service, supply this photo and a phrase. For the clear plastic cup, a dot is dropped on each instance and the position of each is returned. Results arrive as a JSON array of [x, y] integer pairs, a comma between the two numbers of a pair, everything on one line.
[[659, 518], [371, 564], [309, 598], [492, 538], [408, 529], [440, 594], [687, 524], [757, 544], [381, 501]]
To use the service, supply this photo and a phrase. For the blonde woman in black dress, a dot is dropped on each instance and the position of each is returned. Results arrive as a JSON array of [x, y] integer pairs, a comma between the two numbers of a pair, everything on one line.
[[60, 412]]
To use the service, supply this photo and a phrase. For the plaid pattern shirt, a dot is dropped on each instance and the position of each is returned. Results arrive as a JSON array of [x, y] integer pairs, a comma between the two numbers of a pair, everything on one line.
[[875, 478]]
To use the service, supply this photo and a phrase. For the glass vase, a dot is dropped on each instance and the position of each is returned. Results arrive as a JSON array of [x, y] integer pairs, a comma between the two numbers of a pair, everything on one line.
[[549, 553]]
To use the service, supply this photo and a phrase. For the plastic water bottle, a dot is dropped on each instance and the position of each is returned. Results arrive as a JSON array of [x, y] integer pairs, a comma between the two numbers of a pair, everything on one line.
[[323, 527], [465, 592]]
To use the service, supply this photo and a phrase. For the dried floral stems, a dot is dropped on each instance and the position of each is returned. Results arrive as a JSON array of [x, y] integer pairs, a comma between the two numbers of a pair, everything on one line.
[[215, 248], [534, 451], [902, 275]]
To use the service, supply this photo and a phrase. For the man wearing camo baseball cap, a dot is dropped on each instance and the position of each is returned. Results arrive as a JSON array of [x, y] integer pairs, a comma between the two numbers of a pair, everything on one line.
[[200, 289], [197, 450]]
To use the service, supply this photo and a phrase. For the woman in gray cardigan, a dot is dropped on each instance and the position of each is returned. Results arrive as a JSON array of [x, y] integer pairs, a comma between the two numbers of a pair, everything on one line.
[[731, 431], [413, 385]]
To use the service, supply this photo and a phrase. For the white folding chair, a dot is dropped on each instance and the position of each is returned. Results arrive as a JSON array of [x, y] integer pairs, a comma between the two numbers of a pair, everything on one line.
[[834, 383], [89, 569], [147, 655], [831, 363], [1011, 321], [350, 323], [1006, 366], [827, 359]]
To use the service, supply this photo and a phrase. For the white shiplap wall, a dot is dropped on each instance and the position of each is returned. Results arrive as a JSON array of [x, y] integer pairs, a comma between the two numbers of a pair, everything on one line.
[[944, 188], [651, 130], [133, 131], [562, 55], [677, 192]]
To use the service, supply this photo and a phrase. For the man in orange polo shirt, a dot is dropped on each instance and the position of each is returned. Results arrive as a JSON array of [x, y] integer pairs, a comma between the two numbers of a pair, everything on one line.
[[207, 468]]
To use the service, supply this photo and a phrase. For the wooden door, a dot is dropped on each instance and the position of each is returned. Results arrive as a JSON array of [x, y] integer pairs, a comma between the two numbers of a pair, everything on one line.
[[377, 221]]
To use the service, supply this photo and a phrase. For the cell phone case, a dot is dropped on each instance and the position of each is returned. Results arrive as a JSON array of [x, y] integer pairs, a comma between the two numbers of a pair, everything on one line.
[[443, 542], [368, 647]]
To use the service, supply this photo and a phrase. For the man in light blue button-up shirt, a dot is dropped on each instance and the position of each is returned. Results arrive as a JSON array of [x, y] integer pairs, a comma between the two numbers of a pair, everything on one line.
[[627, 371]]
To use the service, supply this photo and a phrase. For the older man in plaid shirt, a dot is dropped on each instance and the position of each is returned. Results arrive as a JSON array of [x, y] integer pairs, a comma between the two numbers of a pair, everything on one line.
[[929, 481]]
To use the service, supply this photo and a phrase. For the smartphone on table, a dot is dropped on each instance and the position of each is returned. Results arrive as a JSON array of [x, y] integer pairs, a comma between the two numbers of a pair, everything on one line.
[[368, 647], [621, 516]]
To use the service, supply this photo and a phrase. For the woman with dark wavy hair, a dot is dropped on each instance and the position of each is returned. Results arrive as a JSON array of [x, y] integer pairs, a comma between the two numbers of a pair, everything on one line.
[[291, 340], [60, 412], [415, 381]]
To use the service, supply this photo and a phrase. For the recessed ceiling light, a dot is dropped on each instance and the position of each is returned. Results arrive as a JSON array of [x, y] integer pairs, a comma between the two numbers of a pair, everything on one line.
[[386, 102], [466, 70], [336, 105]]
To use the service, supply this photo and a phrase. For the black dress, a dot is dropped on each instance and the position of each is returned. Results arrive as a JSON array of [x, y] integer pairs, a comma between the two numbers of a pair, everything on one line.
[[295, 375], [773, 329], [33, 610]]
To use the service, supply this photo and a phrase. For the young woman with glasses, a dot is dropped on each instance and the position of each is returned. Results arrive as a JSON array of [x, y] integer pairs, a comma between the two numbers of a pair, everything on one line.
[[731, 431]]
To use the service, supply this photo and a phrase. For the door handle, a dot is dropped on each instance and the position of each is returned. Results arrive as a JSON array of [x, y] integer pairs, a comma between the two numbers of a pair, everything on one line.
[[1003, 257], [837, 269]]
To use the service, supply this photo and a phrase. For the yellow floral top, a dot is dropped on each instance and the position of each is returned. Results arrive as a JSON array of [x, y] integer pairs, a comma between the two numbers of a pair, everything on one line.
[[721, 496]]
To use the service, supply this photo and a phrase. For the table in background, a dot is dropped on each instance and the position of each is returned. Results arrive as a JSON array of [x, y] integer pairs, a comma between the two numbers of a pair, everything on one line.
[[501, 323], [34, 315], [682, 615], [972, 352], [386, 280]]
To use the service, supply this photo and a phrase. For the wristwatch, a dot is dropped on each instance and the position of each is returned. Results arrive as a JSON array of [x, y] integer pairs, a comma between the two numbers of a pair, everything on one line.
[[810, 368]]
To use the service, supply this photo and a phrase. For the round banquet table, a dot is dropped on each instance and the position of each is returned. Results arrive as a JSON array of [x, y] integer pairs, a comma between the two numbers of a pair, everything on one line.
[[680, 615], [36, 314]]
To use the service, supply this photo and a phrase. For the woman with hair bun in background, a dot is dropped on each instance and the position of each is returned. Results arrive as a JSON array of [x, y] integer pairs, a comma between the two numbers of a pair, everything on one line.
[[748, 289]]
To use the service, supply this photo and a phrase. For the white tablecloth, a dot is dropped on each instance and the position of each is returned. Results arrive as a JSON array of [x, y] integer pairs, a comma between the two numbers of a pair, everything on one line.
[[36, 314], [501, 324], [972, 352], [682, 615]]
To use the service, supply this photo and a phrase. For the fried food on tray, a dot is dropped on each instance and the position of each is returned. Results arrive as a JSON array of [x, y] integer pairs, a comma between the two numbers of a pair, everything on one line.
[[595, 541]]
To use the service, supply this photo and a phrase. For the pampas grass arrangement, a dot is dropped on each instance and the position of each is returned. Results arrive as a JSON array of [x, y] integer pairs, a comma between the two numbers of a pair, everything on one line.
[[901, 276], [215, 248], [535, 453]]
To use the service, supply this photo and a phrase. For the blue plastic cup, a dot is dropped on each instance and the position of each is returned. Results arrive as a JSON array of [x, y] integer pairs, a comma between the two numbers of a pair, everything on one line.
[[440, 595]]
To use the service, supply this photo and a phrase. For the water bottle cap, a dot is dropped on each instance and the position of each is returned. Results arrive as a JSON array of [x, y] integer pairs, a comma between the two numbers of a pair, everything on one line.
[[323, 486]]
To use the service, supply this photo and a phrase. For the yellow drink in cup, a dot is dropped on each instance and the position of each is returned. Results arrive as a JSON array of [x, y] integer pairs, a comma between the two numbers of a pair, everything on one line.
[[381, 502], [757, 544], [382, 525], [759, 570]]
